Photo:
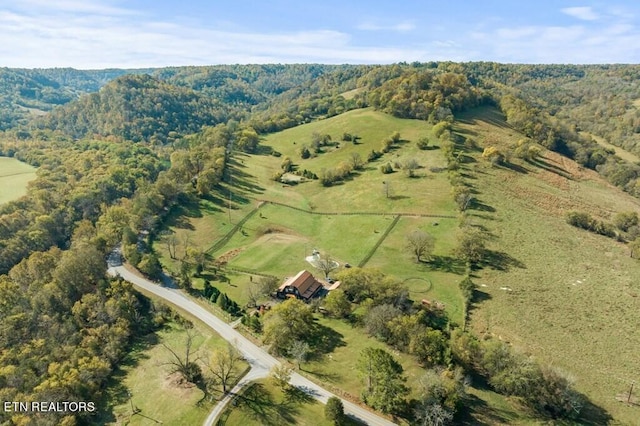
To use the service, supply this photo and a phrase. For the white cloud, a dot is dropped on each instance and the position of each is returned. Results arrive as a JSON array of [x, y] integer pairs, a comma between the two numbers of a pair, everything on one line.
[[104, 34], [613, 43], [404, 26], [584, 13], [101, 36]]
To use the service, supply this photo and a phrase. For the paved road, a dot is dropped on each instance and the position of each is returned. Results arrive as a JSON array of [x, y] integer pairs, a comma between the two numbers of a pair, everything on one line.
[[261, 362]]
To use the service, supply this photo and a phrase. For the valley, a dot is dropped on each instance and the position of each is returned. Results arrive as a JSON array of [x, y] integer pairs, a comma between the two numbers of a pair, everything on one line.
[[14, 178], [474, 251]]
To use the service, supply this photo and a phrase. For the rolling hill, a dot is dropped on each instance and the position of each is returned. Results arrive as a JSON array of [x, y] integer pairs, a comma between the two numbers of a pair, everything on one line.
[[506, 152]]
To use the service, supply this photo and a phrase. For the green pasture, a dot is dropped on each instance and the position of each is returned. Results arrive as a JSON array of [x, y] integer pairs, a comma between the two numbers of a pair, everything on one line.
[[264, 404], [14, 177], [428, 192], [562, 294], [145, 381], [277, 229], [435, 279]]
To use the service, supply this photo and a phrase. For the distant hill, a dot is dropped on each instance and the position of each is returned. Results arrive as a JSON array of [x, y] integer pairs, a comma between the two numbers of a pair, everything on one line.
[[601, 99], [136, 108], [24, 92]]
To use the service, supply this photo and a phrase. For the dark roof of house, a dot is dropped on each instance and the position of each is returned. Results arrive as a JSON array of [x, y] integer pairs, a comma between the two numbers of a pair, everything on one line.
[[306, 284]]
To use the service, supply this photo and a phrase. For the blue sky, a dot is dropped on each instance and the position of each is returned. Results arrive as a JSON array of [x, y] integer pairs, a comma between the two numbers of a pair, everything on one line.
[[91, 34]]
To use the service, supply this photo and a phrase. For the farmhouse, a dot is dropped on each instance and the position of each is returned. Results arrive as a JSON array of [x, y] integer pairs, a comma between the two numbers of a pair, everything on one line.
[[303, 286]]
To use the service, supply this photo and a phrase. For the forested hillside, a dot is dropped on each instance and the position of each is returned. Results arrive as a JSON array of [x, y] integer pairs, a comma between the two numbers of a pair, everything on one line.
[[600, 99], [26, 92], [138, 108]]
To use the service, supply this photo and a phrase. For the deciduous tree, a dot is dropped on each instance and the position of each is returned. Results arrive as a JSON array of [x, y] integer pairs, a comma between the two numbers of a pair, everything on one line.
[[421, 244], [299, 351], [334, 411], [223, 366], [287, 322]]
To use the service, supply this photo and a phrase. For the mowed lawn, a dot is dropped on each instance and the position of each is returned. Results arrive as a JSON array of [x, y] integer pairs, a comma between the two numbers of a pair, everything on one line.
[[14, 177], [159, 395], [434, 279], [279, 238], [264, 404], [564, 295]]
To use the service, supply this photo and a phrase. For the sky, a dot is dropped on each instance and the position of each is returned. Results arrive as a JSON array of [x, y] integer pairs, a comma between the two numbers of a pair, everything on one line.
[[96, 34]]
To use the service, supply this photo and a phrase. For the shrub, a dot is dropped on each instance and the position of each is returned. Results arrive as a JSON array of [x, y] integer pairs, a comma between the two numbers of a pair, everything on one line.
[[305, 153], [423, 143], [373, 155], [386, 168], [286, 164]]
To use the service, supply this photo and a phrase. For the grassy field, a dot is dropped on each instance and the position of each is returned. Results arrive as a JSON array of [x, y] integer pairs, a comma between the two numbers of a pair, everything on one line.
[[571, 296], [154, 391], [338, 368], [276, 238], [14, 177], [263, 404]]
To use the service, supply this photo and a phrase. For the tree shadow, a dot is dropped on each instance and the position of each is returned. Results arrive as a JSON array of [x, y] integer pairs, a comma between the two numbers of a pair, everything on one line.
[[480, 296], [593, 415], [466, 159], [476, 204], [447, 264], [499, 260], [115, 392], [261, 405], [295, 396], [397, 197], [483, 216], [180, 214], [478, 412], [262, 150], [551, 168], [325, 376], [468, 176], [324, 340], [514, 167]]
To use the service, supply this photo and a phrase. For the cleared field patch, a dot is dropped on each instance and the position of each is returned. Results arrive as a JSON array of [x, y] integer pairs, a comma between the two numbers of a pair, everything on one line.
[[350, 94], [436, 279], [568, 297], [14, 177], [278, 239], [262, 404], [146, 383], [428, 192], [620, 152]]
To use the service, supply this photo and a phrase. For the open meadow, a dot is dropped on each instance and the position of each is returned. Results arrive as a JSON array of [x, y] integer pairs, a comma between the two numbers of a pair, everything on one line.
[[274, 226], [264, 404], [564, 295], [145, 382], [276, 239], [14, 177]]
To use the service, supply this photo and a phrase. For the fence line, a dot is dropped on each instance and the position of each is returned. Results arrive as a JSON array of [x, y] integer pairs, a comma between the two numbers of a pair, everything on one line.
[[225, 239], [442, 216], [246, 271], [380, 240]]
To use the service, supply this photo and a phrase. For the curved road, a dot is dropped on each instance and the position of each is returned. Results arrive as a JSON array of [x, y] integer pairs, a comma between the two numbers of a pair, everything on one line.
[[259, 360]]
